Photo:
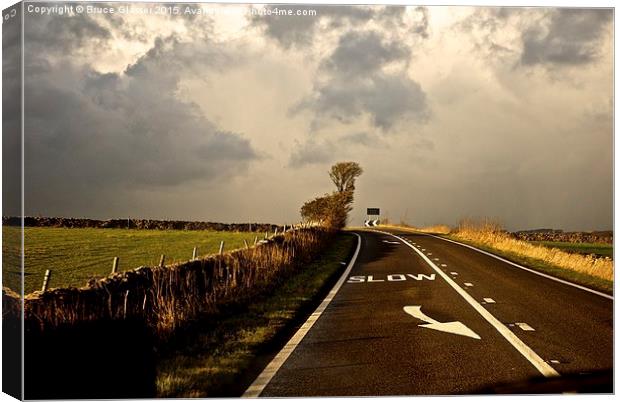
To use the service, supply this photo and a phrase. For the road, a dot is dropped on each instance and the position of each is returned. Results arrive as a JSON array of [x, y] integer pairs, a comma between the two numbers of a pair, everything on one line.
[[418, 315]]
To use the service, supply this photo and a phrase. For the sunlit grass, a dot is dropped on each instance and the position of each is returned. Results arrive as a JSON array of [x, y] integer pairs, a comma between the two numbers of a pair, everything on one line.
[[77, 255], [490, 234], [598, 249]]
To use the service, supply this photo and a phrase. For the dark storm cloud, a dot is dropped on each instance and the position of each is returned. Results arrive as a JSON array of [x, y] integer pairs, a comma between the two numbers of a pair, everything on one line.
[[11, 112], [360, 53], [300, 30], [571, 38], [385, 98], [356, 84], [91, 134], [53, 33]]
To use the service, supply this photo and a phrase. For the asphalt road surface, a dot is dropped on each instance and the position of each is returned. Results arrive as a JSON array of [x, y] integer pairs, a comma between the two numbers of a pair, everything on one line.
[[418, 315]]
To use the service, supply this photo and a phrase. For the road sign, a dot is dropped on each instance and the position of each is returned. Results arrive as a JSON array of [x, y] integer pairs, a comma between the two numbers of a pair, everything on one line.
[[373, 211], [370, 223]]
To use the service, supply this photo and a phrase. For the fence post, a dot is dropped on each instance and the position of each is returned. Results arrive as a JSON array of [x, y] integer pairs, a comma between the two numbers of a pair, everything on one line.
[[46, 280], [255, 240], [162, 260], [194, 253], [266, 235], [284, 228], [125, 305], [115, 265], [221, 247], [246, 243], [275, 232], [250, 227]]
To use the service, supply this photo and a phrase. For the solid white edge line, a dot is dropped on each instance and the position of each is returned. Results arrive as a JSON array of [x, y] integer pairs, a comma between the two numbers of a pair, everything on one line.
[[596, 292], [259, 384], [542, 366]]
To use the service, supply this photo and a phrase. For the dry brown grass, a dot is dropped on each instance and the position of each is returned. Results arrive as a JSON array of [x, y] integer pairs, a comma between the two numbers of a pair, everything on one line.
[[490, 233], [165, 298], [433, 229]]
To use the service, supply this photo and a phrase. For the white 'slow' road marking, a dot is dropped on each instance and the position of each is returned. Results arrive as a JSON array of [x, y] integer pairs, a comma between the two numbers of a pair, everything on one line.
[[272, 368], [488, 300], [468, 284], [524, 326], [542, 366]]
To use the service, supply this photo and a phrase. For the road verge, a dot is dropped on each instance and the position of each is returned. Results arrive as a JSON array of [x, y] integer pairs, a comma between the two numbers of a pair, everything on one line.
[[222, 357]]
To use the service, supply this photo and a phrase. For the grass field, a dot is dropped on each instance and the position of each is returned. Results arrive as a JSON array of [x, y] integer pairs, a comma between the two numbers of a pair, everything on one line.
[[601, 250], [76, 255]]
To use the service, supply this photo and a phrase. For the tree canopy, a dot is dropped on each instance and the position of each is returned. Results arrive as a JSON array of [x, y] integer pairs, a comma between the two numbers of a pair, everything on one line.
[[343, 174], [332, 210]]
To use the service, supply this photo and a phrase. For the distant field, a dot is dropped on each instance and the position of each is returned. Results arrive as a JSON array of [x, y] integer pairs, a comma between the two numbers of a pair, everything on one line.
[[76, 255], [599, 249]]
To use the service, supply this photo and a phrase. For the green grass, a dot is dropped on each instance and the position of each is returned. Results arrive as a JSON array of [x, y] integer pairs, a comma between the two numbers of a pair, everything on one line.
[[76, 255], [214, 359], [542, 266], [598, 249]]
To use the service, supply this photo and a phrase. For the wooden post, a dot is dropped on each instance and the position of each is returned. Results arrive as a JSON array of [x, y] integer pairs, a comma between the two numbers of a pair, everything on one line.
[[221, 247], [115, 265], [194, 253], [275, 232], [46, 280], [125, 305], [250, 227], [255, 240], [284, 228], [162, 260], [246, 243], [266, 235]]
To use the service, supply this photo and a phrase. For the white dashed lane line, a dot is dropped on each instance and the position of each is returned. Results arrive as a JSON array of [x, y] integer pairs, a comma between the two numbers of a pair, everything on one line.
[[468, 284], [454, 273], [488, 300], [524, 326], [541, 365]]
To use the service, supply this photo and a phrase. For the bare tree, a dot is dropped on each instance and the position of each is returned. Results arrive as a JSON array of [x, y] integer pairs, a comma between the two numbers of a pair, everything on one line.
[[343, 174]]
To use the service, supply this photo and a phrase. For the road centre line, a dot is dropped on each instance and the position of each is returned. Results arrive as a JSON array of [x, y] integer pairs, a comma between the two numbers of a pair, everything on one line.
[[553, 278], [259, 384], [542, 366]]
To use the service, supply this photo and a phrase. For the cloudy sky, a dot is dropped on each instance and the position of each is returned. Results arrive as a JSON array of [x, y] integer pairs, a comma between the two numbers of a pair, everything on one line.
[[452, 112]]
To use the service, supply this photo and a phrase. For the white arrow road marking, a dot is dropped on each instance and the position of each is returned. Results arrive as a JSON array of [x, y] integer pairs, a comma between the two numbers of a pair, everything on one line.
[[541, 365], [524, 326], [453, 327]]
